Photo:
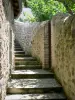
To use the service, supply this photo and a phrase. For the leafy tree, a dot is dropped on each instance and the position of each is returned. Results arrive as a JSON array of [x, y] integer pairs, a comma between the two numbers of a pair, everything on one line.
[[45, 9], [26, 17], [69, 4], [25, 3], [29, 17]]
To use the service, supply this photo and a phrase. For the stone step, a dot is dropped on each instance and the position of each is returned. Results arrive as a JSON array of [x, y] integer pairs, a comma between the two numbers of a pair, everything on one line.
[[18, 49], [23, 67], [16, 43], [38, 73], [19, 52], [23, 86], [30, 82], [17, 46], [27, 63], [22, 55], [25, 59], [47, 96]]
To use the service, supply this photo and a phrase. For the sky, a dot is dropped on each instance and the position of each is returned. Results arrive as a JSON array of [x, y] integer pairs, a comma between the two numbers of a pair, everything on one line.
[[27, 11]]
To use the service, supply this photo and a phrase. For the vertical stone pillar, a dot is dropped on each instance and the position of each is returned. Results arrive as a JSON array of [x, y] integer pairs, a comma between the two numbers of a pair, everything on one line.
[[46, 46]]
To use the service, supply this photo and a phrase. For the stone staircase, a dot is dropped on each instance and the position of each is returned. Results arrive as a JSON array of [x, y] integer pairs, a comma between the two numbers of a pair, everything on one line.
[[30, 82]]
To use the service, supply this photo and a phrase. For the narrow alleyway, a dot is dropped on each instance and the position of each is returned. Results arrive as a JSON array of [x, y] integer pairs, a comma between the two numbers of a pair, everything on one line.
[[30, 82]]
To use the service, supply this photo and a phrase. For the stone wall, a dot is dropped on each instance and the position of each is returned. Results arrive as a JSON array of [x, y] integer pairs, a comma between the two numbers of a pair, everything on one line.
[[33, 38], [40, 44], [24, 34], [63, 51], [6, 51]]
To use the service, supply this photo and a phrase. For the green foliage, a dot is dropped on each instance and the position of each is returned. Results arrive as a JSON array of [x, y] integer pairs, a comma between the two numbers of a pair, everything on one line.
[[69, 4], [26, 17], [29, 17], [45, 9]]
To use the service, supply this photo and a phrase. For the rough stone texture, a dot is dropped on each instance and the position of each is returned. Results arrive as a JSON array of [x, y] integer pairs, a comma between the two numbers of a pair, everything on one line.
[[46, 45], [6, 15], [24, 33], [33, 83], [33, 38], [46, 96], [63, 51], [40, 45]]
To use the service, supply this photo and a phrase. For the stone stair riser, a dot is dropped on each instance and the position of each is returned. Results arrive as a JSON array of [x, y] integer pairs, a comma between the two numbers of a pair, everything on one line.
[[18, 49], [17, 60], [33, 90], [21, 55], [31, 76], [27, 63], [28, 67], [19, 52], [17, 46]]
